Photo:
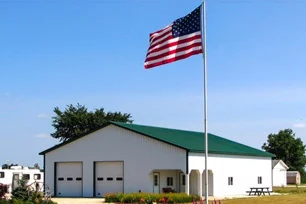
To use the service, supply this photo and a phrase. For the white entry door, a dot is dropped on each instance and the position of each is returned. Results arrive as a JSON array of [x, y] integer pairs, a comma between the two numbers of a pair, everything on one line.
[[16, 178], [69, 179], [109, 178], [156, 183]]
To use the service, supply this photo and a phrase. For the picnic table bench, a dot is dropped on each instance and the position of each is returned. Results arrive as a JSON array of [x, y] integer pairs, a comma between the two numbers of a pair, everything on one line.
[[259, 190]]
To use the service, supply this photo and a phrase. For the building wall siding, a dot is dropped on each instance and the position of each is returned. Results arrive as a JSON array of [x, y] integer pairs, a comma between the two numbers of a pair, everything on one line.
[[141, 155], [245, 171], [279, 175]]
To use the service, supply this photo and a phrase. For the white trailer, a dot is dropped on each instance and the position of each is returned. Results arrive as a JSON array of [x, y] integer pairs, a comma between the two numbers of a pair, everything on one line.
[[12, 175]]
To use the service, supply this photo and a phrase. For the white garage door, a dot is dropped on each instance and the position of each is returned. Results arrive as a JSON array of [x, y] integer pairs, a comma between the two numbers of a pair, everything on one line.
[[109, 177], [69, 179]]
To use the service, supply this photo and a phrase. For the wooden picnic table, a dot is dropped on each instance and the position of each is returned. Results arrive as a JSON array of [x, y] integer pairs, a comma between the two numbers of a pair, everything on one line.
[[259, 190]]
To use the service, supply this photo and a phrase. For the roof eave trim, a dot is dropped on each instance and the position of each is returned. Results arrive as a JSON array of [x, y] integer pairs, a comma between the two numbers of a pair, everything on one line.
[[283, 164], [231, 153], [72, 140]]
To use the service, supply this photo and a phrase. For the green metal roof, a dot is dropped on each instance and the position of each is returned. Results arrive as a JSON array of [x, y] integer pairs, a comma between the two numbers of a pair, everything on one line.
[[194, 141], [189, 140]]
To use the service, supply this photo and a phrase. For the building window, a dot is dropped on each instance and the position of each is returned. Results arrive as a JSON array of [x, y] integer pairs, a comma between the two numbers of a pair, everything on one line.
[[183, 180], [259, 180], [2, 174], [37, 176], [230, 181], [155, 180], [169, 181], [26, 176]]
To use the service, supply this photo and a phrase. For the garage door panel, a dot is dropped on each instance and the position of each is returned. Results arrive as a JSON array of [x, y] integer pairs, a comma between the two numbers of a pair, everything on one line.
[[109, 177], [69, 180]]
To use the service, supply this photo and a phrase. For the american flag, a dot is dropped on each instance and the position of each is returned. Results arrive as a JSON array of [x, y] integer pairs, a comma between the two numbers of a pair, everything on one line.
[[177, 41]]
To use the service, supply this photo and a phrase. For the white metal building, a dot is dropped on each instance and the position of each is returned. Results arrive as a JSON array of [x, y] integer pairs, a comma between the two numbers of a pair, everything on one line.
[[279, 173], [13, 174], [122, 157]]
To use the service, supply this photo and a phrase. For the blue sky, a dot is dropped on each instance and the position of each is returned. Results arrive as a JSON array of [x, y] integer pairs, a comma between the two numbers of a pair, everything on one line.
[[54, 53]]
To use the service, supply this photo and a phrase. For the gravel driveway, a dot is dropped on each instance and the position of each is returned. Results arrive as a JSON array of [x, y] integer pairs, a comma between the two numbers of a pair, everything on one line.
[[78, 200]]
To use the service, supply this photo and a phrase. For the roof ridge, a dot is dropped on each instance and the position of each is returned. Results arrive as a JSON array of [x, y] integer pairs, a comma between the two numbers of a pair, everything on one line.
[[167, 128], [150, 126]]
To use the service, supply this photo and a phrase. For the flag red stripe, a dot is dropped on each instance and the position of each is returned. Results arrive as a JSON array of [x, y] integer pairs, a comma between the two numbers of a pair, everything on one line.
[[159, 31], [173, 59], [156, 38], [185, 52], [154, 43], [174, 51], [173, 40], [174, 44]]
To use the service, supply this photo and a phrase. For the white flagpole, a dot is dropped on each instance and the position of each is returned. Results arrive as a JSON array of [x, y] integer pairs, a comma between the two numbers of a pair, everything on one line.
[[203, 26]]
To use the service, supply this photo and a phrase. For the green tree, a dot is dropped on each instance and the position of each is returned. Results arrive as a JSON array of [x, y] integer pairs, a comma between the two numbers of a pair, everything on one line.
[[288, 148], [36, 166], [77, 120]]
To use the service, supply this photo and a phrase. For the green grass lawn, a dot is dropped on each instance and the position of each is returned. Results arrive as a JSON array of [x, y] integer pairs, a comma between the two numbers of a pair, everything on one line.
[[301, 185], [289, 189], [290, 195], [282, 199]]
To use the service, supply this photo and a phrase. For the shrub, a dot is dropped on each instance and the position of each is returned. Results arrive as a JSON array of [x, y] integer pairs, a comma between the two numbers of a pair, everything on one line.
[[112, 197], [3, 190], [149, 198], [182, 198], [129, 198], [3, 201], [21, 191], [20, 201], [24, 195]]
